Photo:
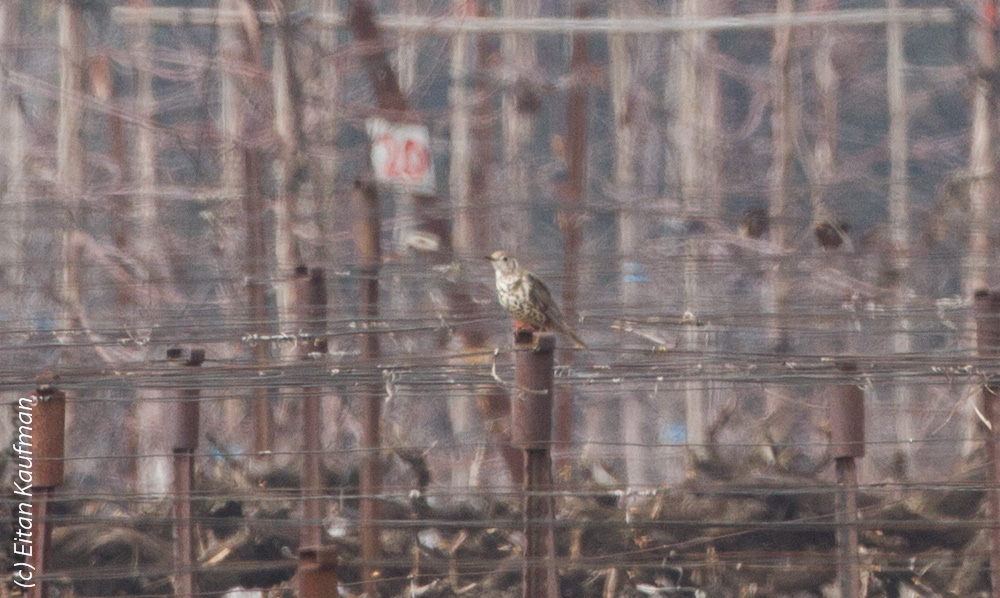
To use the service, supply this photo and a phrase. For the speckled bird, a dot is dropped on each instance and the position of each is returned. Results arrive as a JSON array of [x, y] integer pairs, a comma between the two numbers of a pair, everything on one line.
[[527, 298]]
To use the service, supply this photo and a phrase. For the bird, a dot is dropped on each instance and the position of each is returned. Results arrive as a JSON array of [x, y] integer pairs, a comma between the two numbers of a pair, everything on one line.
[[527, 298]]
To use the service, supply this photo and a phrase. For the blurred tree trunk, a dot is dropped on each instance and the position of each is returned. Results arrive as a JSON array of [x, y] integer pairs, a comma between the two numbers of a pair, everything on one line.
[[326, 205], [462, 412], [69, 175], [407, 49], [982, 190], [698, 109], [521, 102], [483, 145], [982, 187], [69, 156], [102, 86], [470, 234], [152, 468], [630, 118], [571, 217], [147, 238], [244, 86], [784, 130], [13, 179], [473, 154], [470, 226], [231, 113], [825, 146], [696, 138], [231, 117], [899, 223], [432, 218], [291, 169], [12, 131], [404, 58], [403, 49]]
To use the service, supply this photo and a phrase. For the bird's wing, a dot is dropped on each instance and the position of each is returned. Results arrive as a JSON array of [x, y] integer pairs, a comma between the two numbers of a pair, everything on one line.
[[540, 296]]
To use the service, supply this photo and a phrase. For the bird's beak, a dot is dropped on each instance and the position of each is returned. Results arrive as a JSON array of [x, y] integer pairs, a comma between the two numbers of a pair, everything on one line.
[[489, 258]]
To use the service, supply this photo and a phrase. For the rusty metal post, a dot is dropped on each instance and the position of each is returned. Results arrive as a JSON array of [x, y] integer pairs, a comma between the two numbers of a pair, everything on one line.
[[317, 575], [311, 299], [45, 420], [41, 538], [49, 423], [368, 240], [987, 306], [531, 423], [847, 438], [255, 210], [184, 439]]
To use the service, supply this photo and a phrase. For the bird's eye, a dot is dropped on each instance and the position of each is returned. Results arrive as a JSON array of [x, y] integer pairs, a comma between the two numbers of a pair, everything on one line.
[[505, 258]]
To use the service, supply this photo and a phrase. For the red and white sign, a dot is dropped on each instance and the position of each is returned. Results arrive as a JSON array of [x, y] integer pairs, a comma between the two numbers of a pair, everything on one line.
[[401, 155]]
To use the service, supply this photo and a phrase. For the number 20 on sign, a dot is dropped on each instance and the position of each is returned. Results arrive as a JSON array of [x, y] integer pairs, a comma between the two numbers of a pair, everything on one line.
[[401, 155]]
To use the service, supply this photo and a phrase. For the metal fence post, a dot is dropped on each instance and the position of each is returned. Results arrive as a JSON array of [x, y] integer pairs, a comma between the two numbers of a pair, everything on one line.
[[48, 419], [531, 423], [317, 575], [184, 439], [987, 305], [311, 300], [368, 231], [847, 437]]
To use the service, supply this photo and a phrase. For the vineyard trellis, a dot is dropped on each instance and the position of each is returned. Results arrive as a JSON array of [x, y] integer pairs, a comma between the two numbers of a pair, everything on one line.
[[755, 218]]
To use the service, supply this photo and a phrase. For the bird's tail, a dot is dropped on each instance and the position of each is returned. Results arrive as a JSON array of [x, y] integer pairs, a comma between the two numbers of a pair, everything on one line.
[[573, 336]]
